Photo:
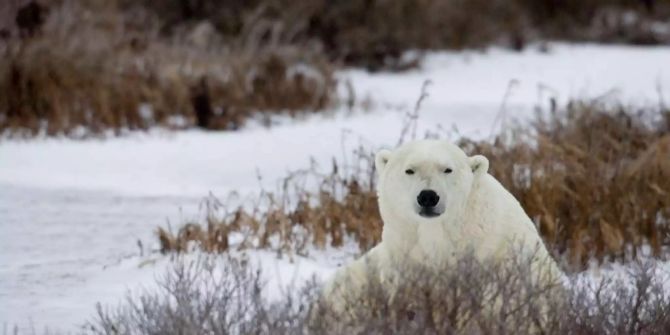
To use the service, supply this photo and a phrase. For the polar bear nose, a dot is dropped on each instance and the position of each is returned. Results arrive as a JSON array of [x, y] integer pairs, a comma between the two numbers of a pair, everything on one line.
[[428, 198]]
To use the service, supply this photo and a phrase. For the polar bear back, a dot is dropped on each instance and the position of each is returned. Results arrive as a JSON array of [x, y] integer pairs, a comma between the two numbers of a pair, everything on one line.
[[494, 219]]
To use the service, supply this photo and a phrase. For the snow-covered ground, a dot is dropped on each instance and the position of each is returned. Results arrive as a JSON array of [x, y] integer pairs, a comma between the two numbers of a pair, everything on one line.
[[71, 212]]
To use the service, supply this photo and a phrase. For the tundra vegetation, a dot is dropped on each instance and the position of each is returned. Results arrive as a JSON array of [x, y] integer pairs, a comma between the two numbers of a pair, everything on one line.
[[223, 296], [595, 179], [593, 176], [87, 68]]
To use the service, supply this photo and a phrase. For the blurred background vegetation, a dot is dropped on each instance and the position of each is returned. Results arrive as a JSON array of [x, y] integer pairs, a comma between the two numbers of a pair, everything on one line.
[[81, 68]]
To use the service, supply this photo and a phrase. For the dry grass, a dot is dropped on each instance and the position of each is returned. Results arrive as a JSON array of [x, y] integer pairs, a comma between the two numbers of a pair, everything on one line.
[[109, 65], [223, 296], [595, 179], [96, 67], [293, 219]]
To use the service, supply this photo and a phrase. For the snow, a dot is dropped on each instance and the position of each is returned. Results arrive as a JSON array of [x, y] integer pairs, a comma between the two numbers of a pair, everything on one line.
[[71, 212]]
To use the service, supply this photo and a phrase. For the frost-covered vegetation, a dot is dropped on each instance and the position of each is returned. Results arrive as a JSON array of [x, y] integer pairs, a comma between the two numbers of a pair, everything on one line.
[[222, 296]]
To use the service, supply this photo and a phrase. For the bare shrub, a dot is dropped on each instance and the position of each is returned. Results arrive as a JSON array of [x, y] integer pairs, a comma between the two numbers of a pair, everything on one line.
[[223, 297], [466, 296], [636, 302], [204, 296]]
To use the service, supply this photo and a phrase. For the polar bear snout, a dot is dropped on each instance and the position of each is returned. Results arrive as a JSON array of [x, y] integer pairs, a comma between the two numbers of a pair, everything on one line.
[[428, 201], [427, 198]]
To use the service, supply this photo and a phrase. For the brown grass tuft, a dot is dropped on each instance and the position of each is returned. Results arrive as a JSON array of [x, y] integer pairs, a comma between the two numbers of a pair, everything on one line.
[[341, 208], [96, 67], [594, 178], [89, 67]]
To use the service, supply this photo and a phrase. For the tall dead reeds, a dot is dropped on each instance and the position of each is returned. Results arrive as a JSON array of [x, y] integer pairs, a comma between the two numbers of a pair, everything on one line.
[[594, 178]]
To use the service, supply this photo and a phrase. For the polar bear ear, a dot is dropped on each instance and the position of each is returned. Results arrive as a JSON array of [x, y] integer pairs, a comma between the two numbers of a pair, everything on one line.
[[382, 158], [479, 164]]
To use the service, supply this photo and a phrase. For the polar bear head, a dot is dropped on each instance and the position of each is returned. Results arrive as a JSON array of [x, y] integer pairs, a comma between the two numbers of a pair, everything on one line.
[[426, 181]]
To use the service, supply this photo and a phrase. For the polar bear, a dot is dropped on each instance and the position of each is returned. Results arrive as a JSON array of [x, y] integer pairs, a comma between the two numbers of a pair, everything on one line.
[[437, 204]]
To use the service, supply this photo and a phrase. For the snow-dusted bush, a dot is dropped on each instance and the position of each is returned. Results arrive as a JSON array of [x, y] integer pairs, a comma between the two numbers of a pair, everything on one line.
[[207, 295], [223, 296]]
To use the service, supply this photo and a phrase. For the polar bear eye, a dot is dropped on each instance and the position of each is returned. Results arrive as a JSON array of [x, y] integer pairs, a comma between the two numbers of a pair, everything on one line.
[[409, 171], [448, 170]]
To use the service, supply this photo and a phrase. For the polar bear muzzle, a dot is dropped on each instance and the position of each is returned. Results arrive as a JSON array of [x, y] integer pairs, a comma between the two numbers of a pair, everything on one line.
[[428, 201]]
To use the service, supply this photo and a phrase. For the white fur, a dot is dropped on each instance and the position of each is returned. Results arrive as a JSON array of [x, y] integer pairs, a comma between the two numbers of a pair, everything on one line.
[[479, 215]]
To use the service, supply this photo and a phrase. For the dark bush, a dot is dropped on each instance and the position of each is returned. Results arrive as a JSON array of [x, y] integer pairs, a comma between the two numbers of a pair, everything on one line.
[[375, 33]]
